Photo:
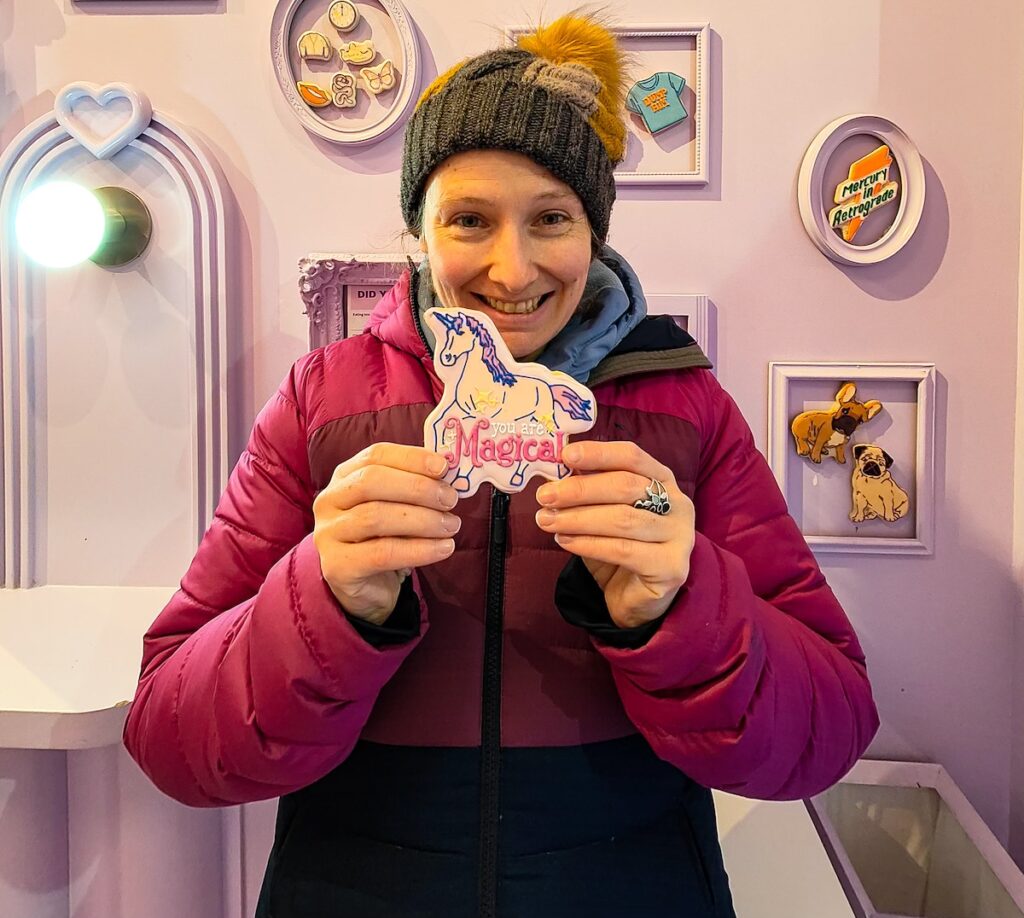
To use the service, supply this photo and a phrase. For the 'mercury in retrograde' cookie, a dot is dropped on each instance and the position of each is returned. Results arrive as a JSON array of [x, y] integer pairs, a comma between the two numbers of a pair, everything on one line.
[[498, 420]]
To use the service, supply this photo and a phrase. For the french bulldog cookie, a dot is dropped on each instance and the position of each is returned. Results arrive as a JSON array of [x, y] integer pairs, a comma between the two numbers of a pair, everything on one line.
[[313, 46], [498, 420], [357, 52], [343, 86], [817, 432], [343, 15], [379, 79]]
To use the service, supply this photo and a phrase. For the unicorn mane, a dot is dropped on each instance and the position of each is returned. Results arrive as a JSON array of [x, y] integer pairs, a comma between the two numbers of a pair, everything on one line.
[[498, 370], [489, 353]]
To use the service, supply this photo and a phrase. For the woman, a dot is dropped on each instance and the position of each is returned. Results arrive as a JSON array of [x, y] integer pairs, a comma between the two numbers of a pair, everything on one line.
[[503, 705]]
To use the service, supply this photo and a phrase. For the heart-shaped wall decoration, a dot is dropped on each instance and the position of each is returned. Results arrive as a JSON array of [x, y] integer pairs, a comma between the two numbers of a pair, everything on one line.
[[106, 144]]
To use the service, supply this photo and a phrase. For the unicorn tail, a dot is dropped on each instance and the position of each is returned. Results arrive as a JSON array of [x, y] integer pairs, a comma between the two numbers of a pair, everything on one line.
[[577, 408]]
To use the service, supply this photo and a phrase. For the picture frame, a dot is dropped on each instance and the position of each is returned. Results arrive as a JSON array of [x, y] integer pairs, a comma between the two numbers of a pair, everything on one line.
[[819, 496], [340, 290], [677, 155], [692, 312], [818, 177], [375, 116]]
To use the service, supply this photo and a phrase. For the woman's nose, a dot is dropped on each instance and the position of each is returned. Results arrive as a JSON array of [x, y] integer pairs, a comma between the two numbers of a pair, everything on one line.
[[513, 267]]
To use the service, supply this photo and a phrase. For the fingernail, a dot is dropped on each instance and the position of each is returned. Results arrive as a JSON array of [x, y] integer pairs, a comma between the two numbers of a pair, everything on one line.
[[572, 453], [450, 522], [546, 517], [447, 497], [546, 495], [436, 464], [563, 539], [445, 547]]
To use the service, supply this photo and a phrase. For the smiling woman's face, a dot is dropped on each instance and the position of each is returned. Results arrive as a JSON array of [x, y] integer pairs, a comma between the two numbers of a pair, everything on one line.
[[506, 238]]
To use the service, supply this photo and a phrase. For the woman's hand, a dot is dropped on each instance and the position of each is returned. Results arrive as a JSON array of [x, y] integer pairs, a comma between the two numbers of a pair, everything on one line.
[[382, 514], [639, 559]]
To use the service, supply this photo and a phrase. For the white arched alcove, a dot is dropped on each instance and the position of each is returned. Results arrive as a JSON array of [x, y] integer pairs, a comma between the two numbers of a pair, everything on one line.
[[39, 149], [97, 420]]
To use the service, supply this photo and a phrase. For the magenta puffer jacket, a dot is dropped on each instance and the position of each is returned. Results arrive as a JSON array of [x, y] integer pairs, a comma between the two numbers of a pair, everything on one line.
[[493, 749]]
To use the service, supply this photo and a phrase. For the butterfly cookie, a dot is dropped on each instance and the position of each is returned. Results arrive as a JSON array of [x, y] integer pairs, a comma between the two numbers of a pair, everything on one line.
[[379, 79]]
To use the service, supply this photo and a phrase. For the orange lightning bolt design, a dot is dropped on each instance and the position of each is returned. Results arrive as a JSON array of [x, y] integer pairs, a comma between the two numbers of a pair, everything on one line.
[[873, 162]]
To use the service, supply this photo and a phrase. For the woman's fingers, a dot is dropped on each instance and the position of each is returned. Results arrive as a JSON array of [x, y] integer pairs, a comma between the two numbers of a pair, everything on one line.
[[624, 488], [614, 455], [414, 459], [369, 483], [652, 563], [378, 519], [344, 564], [614, 520], [615, 473]]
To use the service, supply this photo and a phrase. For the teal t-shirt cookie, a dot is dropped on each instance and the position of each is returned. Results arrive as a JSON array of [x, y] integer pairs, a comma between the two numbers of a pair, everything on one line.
[[656, 100]]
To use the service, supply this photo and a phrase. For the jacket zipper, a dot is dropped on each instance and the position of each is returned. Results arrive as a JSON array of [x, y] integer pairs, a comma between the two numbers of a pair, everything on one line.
[[490, 715], [490, 694]]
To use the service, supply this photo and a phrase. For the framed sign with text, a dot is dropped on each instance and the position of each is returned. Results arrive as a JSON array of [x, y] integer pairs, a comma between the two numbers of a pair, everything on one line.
[[861, 189]]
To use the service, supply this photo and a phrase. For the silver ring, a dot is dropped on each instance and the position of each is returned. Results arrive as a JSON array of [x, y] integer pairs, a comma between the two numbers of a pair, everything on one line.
[[657, 499]]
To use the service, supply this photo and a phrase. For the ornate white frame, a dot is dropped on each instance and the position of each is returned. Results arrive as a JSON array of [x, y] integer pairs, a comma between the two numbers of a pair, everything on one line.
[[781, 452], [37, 148], [280, 48], [322, 281], [811, 199], [701, 34]]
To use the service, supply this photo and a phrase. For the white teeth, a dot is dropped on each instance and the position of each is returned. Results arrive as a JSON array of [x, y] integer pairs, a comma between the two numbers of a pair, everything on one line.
[[514, 308]]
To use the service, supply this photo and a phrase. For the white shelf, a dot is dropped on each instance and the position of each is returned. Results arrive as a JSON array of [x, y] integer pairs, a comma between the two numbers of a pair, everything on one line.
[[777, 865], [69, 662]]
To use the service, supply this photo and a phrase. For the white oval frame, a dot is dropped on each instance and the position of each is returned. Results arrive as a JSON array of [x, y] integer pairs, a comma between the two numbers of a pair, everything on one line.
[[811, 199], [280, 28]]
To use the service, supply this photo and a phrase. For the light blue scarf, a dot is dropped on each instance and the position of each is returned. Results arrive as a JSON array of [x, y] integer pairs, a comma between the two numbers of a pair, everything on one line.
[[611, 312]]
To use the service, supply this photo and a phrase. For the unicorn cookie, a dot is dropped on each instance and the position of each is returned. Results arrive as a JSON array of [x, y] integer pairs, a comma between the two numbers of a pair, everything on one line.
[[498, 420]]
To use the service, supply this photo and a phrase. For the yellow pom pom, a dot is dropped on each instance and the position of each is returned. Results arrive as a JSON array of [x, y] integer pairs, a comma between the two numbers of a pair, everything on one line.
[[440, 82], [575, 39]]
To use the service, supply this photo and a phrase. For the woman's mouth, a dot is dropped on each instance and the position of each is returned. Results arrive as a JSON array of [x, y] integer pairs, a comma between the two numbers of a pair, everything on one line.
[[523, 307]]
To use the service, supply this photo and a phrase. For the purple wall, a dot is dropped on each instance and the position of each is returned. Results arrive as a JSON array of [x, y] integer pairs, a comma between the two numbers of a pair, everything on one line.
[[939, 631]]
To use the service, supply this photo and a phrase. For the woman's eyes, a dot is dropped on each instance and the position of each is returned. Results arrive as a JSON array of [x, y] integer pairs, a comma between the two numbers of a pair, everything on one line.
[[474, 221], [554, 218]]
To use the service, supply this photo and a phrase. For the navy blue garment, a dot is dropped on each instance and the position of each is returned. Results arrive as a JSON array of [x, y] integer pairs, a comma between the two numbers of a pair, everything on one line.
[[393, 832]]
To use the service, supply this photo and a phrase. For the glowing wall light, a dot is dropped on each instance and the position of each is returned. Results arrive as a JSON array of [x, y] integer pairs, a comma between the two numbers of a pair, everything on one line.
[[60, 224]]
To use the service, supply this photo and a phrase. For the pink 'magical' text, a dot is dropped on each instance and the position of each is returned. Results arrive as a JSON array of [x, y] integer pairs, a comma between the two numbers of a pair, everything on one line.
[[505, 451]]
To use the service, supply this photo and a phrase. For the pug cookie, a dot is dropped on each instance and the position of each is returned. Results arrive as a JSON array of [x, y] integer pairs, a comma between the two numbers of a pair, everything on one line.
[[343, 87], [357, 52], [875, 494]]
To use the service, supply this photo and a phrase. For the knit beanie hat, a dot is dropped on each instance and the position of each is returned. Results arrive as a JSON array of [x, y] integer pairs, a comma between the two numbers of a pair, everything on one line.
[[556, 97]]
